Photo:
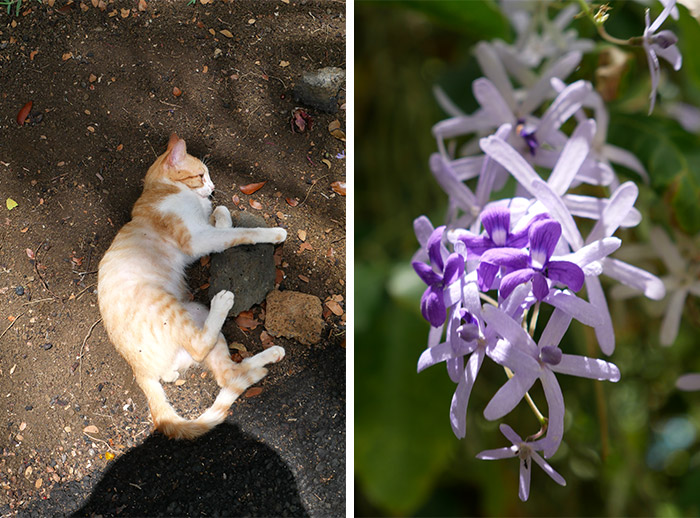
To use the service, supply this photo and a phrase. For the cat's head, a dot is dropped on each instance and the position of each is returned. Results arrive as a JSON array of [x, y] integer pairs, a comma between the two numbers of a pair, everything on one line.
[[176, 166]]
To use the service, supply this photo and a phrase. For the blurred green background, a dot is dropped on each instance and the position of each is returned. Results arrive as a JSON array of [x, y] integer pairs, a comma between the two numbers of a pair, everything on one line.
[[645, 459]]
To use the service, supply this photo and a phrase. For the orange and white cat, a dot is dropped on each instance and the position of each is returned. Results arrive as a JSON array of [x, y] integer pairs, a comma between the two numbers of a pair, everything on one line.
[[143, 298]]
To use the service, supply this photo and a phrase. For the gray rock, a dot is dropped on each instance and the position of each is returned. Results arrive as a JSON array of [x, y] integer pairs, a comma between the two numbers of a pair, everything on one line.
[[321, 89], [246, 270]]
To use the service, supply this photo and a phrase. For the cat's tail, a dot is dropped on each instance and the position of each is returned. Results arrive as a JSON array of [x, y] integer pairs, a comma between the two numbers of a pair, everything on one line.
[[248, 372]]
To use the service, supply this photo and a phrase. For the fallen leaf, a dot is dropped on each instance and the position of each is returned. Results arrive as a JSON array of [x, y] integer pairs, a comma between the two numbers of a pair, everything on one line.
[[205, 69], [226, 33], [120, 147], [279, 276], [246, 321], [30, 253], [334, 307], [334, 129], [38, 482], [10, 203], [22, 427], [179, 383], [66, 56], [236, 200], [251, 21], [301, 121], [204, 286], [303, 278], [327, 162], [292, 202], [176, 91], [284, 63], [109, 455], [91, 429], [28, 472], [256, 205], [339, 187], [254, 391], [92, 78], [125, 13], [83, 7], [23, 113], [143, 5], [252, 187], [32, 54], [237, 346], [204, 261], [305, 246], [301, 235], [266, 338]]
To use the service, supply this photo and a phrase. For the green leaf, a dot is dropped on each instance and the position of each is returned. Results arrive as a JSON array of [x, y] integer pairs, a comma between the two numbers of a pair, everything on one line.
[[480, 19], [403, 438]]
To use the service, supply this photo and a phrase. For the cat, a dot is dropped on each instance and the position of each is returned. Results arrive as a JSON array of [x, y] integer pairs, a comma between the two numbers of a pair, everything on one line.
[[144, 301]]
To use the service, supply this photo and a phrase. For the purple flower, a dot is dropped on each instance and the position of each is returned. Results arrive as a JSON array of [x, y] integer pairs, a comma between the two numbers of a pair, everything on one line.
[[527, 452], [689, 382], [530, 362], [536, 266], [496, 222], [661, 44], [438, 276]]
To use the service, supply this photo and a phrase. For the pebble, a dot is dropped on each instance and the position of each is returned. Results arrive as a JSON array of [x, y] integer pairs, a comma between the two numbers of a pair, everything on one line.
[[19, 290], [46, 346]]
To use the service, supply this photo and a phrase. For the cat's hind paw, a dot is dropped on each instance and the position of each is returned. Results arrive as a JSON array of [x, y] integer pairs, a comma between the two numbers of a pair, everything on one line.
[[222, 302], [270, 355]]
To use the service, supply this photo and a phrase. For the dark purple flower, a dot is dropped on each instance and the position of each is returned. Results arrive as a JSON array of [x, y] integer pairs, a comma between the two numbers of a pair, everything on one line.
[[438, 276], [496, 222], [536, 266]]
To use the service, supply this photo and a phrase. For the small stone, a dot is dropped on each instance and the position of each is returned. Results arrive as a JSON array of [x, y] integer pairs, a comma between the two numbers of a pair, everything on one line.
[[46, 346], [294, 315], [19, 290], [322, 89]]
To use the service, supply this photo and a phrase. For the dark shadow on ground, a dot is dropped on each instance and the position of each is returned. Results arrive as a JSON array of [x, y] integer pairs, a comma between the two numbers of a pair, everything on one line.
[[224, 473]]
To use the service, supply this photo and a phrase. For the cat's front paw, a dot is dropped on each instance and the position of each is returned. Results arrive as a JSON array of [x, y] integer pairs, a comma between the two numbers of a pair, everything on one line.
[[222, 302], [279, 236], [222, 217]]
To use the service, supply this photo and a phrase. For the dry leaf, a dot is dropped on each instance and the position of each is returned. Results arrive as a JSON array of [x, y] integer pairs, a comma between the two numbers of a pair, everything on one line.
[[246, 321], [143, 5], [305, 246], [24, 113], [92, 78], [67, 56], [251, 21], [339, 187], [252, 187], [254, 391], [256, 205], [120, 147], [38, 482], [284, 63], [303, 278], [237, 346], [32, 54], [226, 33], [212, 32], [22, 427], [236, 200], [204, 260], [30, 253], [334, 307], [83, 7], [292, 202], [302, 235], [327, 162], [125, 13], [176, 91], [91, 429], [10, 203], [108, 456]]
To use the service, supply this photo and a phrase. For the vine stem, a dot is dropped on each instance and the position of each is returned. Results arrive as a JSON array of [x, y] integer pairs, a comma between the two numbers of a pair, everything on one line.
[[542, 419], [601, 408], [586, 8]]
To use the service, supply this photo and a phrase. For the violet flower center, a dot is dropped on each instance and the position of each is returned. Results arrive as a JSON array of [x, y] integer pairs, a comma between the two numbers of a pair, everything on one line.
[[551, 355]]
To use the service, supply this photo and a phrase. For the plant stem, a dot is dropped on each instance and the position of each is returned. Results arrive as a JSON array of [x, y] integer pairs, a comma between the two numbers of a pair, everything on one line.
[[601, 408], [542, 419]]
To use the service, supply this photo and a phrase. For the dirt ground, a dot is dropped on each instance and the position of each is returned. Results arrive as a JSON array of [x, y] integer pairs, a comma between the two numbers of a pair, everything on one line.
[[103, 84]]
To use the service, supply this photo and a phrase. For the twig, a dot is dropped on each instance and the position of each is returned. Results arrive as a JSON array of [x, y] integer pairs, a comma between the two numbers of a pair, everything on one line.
[[82, 347], [102, 441], [312, 186], [170, 104], [37, 301], [82, 292], [11, 324]]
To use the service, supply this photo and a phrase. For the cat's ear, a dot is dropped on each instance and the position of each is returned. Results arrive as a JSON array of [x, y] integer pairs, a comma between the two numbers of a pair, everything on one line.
[[173, 139], [178, 150]]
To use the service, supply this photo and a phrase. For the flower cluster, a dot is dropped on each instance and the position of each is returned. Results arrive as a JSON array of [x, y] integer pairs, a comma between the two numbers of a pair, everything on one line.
[[498, 259]]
